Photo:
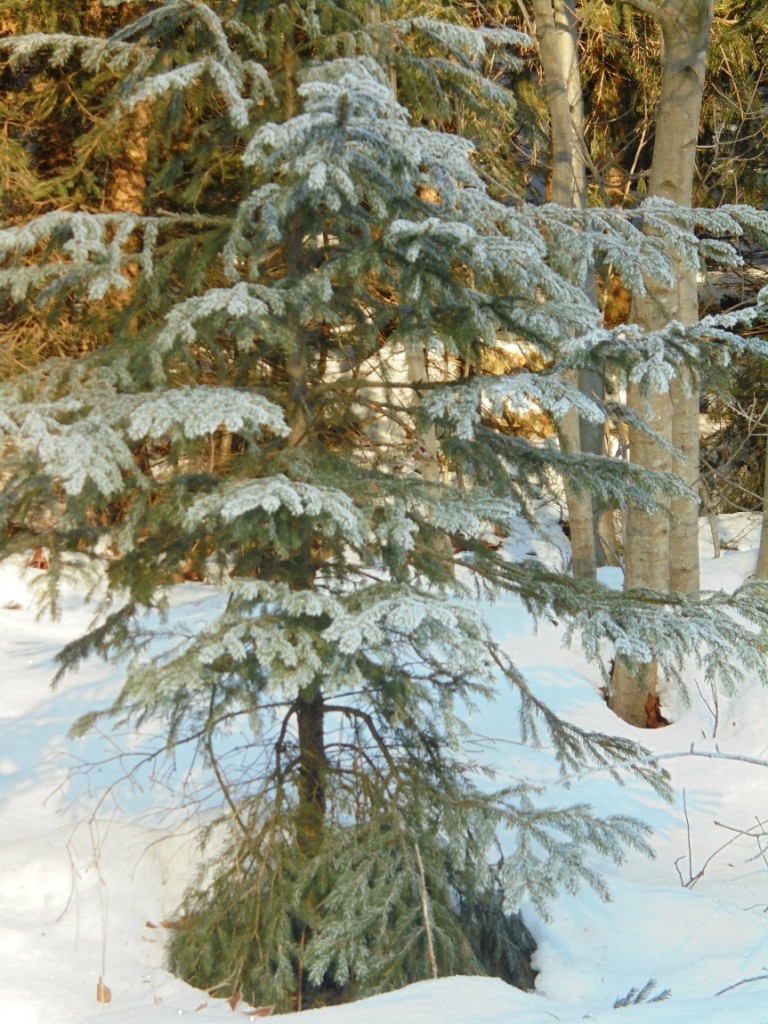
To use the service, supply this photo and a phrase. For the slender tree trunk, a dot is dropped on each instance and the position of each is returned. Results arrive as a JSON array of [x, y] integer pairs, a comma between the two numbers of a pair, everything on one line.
[[761, 573], [310, 703], [128, 182], [580, 507], [646, 557], [685, 27], [127, 189], [557, 37], [313, 768], [373, 17], [429, 463], [685, 30], [684, 569], [661, 550]]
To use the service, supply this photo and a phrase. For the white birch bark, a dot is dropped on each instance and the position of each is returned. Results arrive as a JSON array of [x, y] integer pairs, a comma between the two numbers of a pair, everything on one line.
[[685, 32], [557, 38], [661, 550]]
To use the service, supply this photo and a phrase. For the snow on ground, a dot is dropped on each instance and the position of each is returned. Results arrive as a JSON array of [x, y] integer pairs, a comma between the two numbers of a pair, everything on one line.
[[87, 874]]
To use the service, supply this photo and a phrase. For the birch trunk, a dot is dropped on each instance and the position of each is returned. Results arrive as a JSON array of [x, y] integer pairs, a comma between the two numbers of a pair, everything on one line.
[[557, 38], [685, 27], [685, 30], [661, 550]]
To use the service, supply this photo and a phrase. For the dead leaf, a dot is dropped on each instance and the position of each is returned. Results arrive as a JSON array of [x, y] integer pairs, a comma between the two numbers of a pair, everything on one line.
[[103, 994], [38, 560], [176, 922]]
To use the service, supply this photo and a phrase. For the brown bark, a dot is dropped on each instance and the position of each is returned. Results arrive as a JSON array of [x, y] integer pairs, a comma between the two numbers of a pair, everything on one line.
[[310, 703], [128, 183], [127, 189], [761, 573], [313, 768]]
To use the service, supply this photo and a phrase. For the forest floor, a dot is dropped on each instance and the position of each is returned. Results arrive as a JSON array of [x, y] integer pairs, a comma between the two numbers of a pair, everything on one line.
[[91, 864]]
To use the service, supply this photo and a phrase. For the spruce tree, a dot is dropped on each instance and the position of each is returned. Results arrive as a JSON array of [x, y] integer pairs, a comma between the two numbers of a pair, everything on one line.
[[278, 403]]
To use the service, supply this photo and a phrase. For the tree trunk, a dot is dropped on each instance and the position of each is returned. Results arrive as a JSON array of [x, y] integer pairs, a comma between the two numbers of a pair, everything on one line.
[[660, 551], [557, 37], [426, 438], [684, 573], [128, 182], [685, 29], [313, 767], [761, 573], [580, 507], [646, 556]]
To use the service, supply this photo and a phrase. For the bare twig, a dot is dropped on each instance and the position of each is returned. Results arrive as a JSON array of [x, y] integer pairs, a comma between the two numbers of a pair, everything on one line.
[[755, 832], [744, 981], [748, 831], [714, 707], [425, 913], [652, 759], [688, 840]]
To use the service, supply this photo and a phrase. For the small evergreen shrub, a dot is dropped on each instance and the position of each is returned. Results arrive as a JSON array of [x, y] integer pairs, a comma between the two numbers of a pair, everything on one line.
[[260, 409]]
